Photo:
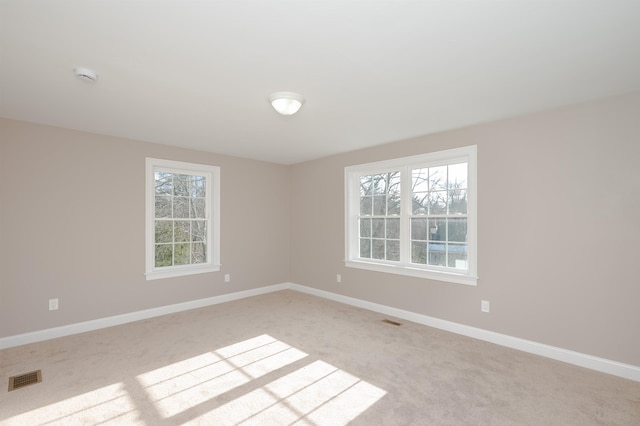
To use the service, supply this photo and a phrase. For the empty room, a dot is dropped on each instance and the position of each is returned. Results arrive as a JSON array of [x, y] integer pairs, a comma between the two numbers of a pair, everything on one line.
[[329, 212]]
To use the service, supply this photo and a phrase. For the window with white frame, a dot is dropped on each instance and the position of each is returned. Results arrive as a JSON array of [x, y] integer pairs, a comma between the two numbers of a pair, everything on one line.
[[182, 218], [414, 216]]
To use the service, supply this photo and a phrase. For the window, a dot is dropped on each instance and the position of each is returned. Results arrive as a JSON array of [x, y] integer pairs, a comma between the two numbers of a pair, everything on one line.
[[414, 216], [182, 218]]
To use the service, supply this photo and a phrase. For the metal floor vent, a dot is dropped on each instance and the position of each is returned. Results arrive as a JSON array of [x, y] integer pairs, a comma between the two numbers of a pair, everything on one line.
[[17, 382], [388, 321]]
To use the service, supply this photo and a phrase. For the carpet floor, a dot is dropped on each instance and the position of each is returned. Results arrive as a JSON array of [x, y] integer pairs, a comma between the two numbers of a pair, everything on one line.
[[289, 358]]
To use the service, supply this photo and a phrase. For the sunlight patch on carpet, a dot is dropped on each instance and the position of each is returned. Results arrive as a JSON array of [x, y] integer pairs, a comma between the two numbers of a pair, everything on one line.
[[197, 390], [108, 404], [183, 385], [317, 394]]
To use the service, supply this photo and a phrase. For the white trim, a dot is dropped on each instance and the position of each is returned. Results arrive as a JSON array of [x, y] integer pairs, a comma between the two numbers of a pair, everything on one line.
[[404, 165], [183, 270], [626, 371], [212, 174], [448, 276], [82, 327]]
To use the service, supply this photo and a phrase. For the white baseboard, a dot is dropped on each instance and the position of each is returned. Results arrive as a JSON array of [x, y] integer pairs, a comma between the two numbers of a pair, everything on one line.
[[603, 365], [615, 368], [81, 327]]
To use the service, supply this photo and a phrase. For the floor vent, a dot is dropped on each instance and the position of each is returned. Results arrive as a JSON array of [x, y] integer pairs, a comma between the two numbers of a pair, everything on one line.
[[388, 321], [17, 382]]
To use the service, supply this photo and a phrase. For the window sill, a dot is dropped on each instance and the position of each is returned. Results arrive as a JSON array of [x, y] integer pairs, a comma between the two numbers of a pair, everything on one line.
[[413, 272], [179, 271]]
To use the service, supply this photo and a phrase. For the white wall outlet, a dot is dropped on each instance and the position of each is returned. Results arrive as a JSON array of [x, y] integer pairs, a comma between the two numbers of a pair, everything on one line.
[[484, 306], [53, 304], [227, 278], [338, 278]]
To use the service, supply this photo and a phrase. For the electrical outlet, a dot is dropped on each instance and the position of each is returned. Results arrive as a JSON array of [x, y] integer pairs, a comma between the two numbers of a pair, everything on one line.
[[53, 304], [227, 278], [484, 306], [338, 278]]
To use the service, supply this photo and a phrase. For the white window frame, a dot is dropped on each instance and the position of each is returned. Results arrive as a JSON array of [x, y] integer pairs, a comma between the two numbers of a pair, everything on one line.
[[212, 216], [405, 165]]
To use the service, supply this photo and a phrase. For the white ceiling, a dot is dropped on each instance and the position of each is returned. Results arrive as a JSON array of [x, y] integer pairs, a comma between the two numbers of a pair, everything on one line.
[[197, 74]]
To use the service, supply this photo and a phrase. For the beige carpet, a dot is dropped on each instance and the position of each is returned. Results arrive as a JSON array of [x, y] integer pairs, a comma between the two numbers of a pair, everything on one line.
[[289, 358]]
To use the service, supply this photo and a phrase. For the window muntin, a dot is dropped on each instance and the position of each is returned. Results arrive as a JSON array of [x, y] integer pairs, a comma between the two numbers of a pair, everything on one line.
[[414, 216], [182, 218], [379, 211], [439, 216]]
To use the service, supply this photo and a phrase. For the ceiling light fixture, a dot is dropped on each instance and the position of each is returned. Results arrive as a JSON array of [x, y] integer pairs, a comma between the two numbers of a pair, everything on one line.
[[286, 103], [85, 74]]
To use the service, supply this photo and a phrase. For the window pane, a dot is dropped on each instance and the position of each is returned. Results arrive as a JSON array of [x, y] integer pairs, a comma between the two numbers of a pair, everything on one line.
[[163, 206], [457, 257], [458, 201], [457, 229], [380, 184], [365, 248], [198, 253], [437, 229], [182, 255], [437, 254], [365, 206], [420, 203], [198, 208], [198, 186], [163, 255], [438, 178], [181, 185], [164, 231], [419, 229], [393, 204], [438, 202], [377, 226], [365, 227], [393, 229], [420, 180], [198, 230], [164, 183], [377, 249], [458, 176], [418, 252], [181, 207], [366, 186], [394, 183], [393, 250], [182, 231], [379, 205]]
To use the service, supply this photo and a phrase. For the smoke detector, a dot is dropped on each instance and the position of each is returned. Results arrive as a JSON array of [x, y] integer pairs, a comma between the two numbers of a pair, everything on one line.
[[85, 74]]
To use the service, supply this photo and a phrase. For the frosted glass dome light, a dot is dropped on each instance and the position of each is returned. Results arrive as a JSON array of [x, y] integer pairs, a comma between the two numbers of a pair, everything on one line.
[[286, 103]]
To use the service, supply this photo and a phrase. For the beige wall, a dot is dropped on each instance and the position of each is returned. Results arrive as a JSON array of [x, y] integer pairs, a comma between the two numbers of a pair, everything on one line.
[[558, 230], [72, 227]]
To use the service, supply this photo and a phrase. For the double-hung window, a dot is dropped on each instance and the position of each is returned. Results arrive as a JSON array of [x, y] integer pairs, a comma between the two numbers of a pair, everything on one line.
[[414, 216], [182, 218]]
